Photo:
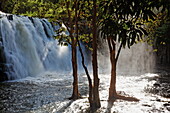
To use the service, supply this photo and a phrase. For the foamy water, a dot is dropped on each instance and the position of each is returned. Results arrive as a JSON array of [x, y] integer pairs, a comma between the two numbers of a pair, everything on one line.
[[48, 94]]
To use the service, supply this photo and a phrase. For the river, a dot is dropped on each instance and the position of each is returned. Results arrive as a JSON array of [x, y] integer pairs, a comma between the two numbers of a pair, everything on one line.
[[48, 93]]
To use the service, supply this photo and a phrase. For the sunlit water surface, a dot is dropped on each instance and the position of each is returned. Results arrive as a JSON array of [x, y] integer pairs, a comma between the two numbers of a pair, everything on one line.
[[48, 94]]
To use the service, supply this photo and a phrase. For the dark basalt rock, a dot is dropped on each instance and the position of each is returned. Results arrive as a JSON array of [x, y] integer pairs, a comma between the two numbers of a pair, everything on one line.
[[147, 105], [45, 29], [3, 77], [161, 86], [166, 104], [156, 84], [10, 17], [3, 74], [31, 19]]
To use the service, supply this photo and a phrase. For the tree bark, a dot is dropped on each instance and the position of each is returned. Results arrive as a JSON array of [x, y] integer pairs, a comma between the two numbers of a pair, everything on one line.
[[75, 94], [88, 77], [112, 89], [94, 61], [118, 53], [82, 56]]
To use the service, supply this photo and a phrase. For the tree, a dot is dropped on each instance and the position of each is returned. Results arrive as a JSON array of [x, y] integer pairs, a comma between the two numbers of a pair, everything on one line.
[[123, 21], [79, 13], [70, 28], [76, 21], [94, 59]]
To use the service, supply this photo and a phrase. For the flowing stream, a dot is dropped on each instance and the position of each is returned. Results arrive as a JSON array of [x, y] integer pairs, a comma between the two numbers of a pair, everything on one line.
[[40, 73]]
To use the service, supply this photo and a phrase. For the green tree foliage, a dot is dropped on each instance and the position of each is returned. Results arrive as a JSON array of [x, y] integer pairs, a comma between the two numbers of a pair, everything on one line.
[[84, 22], [162, 34], [34, 8], [159, 28], [124, 20], [7, 5]]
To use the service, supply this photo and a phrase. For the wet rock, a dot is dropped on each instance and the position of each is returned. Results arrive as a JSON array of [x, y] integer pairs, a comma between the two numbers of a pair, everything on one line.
[[161, 87], [147, 105], [159, 100], [168, 91], [45, 29], [3, 74], [31, 19], [166, 104], [168, 108], [157, 85], [10, 17], [2, 55]]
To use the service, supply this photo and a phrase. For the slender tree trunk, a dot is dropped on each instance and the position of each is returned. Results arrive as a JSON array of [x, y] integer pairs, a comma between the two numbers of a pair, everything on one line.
[[88, 77], [75, 94], [94, 61], [112, 89], [118, 53], [82, 56]]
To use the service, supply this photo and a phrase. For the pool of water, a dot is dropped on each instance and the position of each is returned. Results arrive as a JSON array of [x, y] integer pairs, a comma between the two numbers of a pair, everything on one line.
[[49, 93]]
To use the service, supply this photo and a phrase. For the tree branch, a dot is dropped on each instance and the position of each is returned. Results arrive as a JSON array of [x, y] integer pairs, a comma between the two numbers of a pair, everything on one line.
[[118, 53]]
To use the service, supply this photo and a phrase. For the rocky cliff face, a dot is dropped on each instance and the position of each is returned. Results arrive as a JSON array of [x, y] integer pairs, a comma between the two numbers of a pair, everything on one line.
[[3, 75], [3, 70]]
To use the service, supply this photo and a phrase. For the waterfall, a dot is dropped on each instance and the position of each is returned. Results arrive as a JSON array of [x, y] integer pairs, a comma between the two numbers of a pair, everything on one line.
[[29, 47]]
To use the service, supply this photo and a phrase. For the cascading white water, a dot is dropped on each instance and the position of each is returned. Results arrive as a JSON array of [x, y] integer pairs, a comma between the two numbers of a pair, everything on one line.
[[30, 48], [19, 47]]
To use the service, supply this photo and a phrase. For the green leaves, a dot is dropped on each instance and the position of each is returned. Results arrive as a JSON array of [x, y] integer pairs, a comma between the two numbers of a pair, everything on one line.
[[162, 34], [34, 8], [121, 19], [124, 20], [108, 27]]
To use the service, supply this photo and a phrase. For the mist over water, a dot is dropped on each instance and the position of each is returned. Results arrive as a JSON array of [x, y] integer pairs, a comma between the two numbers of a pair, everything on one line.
[[139, 59]]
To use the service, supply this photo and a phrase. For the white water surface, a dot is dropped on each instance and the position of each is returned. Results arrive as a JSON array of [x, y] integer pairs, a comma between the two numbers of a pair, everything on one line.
[[48, 94]]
